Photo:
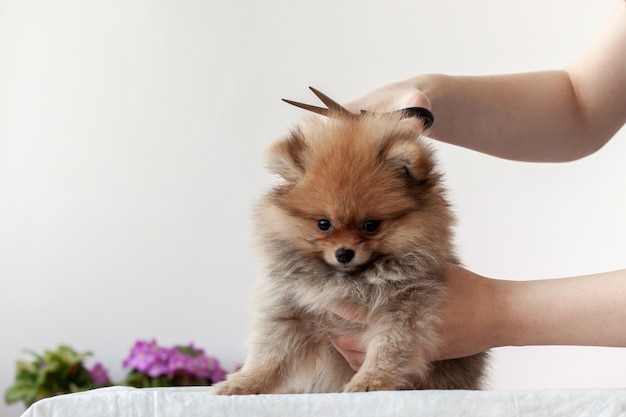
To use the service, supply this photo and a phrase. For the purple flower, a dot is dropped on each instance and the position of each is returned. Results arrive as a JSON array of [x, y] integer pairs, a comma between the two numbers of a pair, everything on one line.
[[178, 364], [99, 375], [216, 372], [195, 362], [181, 364], [148, 358]]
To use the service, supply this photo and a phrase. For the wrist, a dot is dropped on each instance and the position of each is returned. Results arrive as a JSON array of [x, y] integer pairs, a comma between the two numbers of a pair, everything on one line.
[[506, 316]]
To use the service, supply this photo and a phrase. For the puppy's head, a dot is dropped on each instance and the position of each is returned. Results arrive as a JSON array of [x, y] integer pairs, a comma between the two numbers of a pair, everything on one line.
[[355, 189]]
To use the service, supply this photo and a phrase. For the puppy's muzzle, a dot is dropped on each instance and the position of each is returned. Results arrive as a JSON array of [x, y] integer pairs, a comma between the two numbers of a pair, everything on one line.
[[344, 255]]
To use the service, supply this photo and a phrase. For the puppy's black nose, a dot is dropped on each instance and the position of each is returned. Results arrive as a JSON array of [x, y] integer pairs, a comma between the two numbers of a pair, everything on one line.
[[344, 255]]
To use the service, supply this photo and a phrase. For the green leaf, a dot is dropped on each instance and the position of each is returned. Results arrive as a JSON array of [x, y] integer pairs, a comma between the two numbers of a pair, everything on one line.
[[55, 372], [19, 392]]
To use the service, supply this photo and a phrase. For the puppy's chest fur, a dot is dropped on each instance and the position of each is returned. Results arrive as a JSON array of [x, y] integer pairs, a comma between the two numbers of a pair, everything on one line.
[[309, 286]]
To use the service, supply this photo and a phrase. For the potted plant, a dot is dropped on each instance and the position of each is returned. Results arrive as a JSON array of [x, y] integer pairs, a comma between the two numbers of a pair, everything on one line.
[[59, 371], [152, 365], [62, 371]]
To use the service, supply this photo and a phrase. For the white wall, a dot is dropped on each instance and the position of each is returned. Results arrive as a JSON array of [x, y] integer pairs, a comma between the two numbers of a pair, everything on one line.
[[131, 135]]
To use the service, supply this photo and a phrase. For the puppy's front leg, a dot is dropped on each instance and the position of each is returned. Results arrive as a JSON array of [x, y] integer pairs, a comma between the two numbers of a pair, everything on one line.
[[276, 349], [258, 376], [395, 355]]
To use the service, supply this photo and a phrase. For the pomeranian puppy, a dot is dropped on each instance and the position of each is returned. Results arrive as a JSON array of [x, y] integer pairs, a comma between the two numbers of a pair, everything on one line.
[[360, 218]]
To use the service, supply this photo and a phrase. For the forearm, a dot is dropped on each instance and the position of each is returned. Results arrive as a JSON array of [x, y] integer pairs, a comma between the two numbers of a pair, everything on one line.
[[584, 311], [482, 313], [544, 116], [533, 117]]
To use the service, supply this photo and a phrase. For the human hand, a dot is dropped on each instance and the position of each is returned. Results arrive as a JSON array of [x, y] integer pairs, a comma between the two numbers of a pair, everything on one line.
[[466, 327], [396, 96], [351, 346], [470, 317]]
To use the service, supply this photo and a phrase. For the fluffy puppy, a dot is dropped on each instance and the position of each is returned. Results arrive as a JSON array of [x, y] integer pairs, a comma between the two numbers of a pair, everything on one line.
[[359, 218]]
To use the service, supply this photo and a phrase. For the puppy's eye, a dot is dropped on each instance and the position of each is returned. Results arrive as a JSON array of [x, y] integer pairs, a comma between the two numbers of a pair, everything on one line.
[[371, 226], [324, 225]]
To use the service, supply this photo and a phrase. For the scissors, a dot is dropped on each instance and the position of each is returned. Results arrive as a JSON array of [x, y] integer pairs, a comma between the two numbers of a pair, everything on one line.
[[334, 108]]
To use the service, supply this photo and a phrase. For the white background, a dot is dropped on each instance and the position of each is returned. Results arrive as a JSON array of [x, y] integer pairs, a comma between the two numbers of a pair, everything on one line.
[[131, 140]]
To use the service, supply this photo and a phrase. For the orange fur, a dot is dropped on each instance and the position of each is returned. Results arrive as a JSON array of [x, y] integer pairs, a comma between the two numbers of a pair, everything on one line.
[[383, 241]]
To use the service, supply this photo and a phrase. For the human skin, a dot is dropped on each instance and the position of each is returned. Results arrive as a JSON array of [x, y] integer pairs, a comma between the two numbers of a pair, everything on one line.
[[481, 313], [578, 109], [557, 115]]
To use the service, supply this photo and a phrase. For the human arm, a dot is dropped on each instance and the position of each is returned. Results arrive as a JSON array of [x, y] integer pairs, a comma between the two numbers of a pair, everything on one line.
[[481, 313], [556, 115]]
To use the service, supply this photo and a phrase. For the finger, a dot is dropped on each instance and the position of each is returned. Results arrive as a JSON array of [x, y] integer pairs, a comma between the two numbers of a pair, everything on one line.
[[348, 342], [349, 312], [390, 98], [412, 98], [350, 348]]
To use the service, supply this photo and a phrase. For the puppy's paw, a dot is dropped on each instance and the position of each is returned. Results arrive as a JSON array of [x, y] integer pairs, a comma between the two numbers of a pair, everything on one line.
[[373, 381], [368, 386], [237, 385], [225, 388]]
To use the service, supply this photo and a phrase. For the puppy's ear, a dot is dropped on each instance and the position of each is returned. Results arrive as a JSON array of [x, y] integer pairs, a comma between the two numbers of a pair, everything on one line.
[[411, 158], [285, 157]]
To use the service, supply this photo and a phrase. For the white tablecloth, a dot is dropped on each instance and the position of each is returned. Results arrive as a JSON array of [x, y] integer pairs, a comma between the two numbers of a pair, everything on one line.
[[199, 402]]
